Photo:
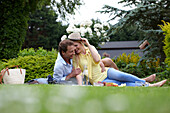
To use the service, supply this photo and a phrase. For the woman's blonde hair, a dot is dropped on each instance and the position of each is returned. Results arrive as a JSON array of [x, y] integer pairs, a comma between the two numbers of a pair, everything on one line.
[[77, 58]]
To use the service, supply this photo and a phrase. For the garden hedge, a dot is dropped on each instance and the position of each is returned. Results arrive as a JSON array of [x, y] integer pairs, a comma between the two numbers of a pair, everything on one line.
[[38, 64]]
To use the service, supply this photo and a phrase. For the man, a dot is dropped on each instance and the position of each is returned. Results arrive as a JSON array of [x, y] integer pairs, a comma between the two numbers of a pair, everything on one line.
[[63, 69]]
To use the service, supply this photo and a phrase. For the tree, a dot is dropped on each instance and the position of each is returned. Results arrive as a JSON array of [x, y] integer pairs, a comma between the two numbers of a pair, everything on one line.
[[127, 34], [166, 30], [14, 17], [43, 30], [146, 15]]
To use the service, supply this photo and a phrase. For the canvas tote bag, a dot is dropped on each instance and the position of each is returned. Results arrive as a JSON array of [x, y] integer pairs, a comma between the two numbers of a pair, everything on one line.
[[13, 76]]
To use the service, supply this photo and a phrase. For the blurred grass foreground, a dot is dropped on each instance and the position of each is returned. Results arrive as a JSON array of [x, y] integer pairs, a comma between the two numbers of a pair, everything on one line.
[[81, 99]]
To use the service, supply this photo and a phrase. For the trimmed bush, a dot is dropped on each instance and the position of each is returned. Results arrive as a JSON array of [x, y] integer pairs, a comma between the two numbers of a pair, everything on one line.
[[38, 64], [129, 63], [39, 52], [1, 65]]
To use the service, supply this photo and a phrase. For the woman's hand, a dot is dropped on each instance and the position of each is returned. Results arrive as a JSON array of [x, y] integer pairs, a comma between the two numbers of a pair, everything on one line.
[[85, 41], [102, 67], [92, 49], [74, 73]]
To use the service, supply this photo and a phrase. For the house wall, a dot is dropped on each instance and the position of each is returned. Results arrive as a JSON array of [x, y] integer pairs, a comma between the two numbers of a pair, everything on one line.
[[115, 53], [116, 48]]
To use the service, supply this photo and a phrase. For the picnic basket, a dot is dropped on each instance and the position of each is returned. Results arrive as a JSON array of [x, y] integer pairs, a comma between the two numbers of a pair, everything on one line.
[[13, 76]]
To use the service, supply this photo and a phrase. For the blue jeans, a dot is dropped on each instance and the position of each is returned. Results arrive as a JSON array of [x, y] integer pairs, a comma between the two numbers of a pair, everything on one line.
[[42, 80], [118, 77]]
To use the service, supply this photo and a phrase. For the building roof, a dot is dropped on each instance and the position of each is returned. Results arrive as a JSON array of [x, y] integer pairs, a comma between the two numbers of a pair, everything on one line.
[[115, 53], [116, 48], [120, 45]]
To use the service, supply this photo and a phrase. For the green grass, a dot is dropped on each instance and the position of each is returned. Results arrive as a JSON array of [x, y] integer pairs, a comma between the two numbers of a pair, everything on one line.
[[81, 99]]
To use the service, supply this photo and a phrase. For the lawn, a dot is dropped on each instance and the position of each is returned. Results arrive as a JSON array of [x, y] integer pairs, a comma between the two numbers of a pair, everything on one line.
[[83, 99]]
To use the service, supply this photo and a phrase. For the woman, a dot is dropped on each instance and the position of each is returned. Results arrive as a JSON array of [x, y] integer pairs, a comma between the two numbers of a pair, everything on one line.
[[88, 55]]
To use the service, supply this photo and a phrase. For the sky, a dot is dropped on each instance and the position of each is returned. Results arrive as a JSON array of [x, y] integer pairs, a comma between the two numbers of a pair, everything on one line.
[[88, 11]]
